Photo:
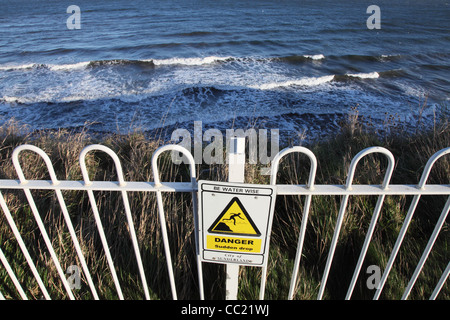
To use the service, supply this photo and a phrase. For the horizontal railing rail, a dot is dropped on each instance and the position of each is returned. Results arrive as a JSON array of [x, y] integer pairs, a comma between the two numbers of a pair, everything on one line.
[[282, 189]]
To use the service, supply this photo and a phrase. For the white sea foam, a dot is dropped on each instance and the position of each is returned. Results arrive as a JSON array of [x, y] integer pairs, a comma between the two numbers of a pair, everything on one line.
[[312, 81], [18, 67], [72, 66], [53, 67], [370, 75], [315, 56], [188, 61], [10, 99], [192, 61], [13, 100]]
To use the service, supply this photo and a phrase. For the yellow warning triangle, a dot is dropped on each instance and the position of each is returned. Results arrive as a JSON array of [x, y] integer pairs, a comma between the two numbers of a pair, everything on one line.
[[234, 219]]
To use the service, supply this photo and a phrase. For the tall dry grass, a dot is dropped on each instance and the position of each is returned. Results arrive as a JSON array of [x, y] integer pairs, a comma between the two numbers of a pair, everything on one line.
[[411, 150]]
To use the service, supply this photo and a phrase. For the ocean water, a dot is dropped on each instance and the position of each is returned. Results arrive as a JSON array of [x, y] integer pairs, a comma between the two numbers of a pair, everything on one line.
[[296, 66]]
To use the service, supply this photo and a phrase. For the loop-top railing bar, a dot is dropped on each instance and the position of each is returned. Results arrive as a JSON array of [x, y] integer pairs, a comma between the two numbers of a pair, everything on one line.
[[62, 204], [42, 154], [276, 161], [37, 217], [111, 153], [310, 185], [342, 210], [412, 207], [121, 180], [126, 203], [162, 218]]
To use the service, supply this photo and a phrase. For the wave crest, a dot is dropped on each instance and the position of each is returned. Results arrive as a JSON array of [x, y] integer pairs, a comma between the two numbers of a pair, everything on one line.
[[190, 61], [312, 81], [370, 75]]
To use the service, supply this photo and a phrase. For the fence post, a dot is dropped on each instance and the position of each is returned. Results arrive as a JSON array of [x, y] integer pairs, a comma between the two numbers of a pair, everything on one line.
[[236, 169]]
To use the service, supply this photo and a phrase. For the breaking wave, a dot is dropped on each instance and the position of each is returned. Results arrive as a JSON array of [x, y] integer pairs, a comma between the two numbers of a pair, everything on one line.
[[312, 81]]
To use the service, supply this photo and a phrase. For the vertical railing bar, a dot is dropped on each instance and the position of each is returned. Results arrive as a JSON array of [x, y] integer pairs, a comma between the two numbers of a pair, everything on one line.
[[408, 218], [76, 243], [311, 179], [197, 248], [37, 217], [339, 221], [48, 243], [98, 221], [262, 289], [23, 247], [126, 203], [397, 246], [135, 244], [62, 205], [63, 208], [12, 275], [104, 242], [163, 219], [365, 246], [236, 173], [441, 282], [300, 242], [428, 248], [373, 222], [343, 206]]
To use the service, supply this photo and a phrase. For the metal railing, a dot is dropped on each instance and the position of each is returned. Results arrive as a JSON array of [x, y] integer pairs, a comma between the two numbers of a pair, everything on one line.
[[309, 190]]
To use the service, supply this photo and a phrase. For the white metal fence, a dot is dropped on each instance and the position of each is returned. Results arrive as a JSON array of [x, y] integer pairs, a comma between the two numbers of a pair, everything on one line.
[[124, 187]]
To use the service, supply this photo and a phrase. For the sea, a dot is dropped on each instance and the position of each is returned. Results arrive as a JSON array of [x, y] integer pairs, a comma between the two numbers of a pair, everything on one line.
[[299, 67]]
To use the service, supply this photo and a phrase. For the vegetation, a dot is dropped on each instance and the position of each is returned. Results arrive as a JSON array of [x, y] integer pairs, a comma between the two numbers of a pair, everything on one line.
[[411, 149]]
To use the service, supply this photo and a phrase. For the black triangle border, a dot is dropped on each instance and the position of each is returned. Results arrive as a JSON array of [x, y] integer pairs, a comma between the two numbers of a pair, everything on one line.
[[258, 233]]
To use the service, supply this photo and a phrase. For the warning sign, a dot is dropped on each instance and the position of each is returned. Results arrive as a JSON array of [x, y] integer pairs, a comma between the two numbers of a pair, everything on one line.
[[234, 219], [235, 222]]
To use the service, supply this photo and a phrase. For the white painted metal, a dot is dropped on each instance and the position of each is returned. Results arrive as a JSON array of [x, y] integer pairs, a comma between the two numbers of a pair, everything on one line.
[[236, 161], [12, 275], [376, 213], [408, 218], [22, 246], [159, 189], [126, 204], [37, 217], [62, 205], [342, 209], [428, 248], [236, 170], [310, 186], [282, 189], [98, 222], [441, 282]]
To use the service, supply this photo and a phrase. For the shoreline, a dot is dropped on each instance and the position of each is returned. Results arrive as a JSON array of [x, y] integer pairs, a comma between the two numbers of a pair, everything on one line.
[[295, 129]]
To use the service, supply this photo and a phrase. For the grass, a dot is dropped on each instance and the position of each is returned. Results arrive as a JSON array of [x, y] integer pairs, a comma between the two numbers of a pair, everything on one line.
[[411, 150]]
